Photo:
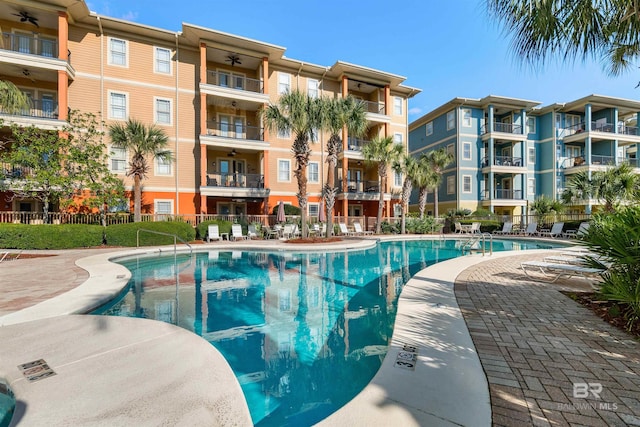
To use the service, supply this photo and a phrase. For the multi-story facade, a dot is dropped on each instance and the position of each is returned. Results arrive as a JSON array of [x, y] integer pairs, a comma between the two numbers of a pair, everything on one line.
[[510, 151], [205, 89]]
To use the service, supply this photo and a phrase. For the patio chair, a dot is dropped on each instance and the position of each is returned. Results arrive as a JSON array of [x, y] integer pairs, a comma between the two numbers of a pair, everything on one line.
[[555, 231], [577, 234], [506, 228], [344, 230], [475, 228], [458, 228], [532, 228], [236, 232], [213, 233], [554, 271], [357, 229], [288, 231], [252, 232]]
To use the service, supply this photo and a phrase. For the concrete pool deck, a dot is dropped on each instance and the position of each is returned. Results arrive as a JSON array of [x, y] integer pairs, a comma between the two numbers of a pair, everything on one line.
[[447, 372]]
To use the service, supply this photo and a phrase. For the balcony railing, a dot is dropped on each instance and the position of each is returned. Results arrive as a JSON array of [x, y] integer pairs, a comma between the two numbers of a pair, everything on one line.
[[596, 159], [504, 128], [237, 180], [24, 43], [602, 127], [360, 186], [42, 108], [503, 161], [9, 171], [234, 81], [374, 107], [502, 194], [629, 161], [236, 131], [628, 130], [355, 144]]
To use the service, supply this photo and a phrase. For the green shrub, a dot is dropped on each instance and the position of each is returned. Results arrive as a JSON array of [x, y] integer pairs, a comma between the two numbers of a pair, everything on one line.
[[203, 227], [389, 228], [47, 236], [288, 210], [421, 226], [615, 237], [125, 234]]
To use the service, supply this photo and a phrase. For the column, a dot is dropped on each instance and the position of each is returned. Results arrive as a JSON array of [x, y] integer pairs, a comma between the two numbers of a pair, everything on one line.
[[387, 109], [63, 54], [203, 126], [266, 136], [345, 161], [265, 75], [587, 142], [616, 161], [525, 134]]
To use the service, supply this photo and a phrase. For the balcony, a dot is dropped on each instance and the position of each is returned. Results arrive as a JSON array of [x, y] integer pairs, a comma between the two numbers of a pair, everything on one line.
[[229, 135], [11, 172], [23, 43], [502, 195], [376, 111], [356, 144], [360, 190], [40, 108], [236, 87], [579, 132], [503, 161], [25, 52], [633, 162], [578, 161], [503, 128], [235, 185]]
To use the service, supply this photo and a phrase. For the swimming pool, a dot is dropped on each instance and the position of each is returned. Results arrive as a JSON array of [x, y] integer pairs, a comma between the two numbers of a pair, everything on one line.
[[303, 332]]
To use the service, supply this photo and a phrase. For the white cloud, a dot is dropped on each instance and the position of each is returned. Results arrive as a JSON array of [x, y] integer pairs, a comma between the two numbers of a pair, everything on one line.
[[415, 111], [130, 16]]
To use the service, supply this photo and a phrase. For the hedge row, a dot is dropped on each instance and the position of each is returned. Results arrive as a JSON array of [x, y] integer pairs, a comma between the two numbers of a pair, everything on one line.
[[68, 236]]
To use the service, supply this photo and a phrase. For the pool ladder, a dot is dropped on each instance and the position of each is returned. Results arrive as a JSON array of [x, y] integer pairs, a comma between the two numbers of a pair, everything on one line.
[[175, 239], [475, 239]]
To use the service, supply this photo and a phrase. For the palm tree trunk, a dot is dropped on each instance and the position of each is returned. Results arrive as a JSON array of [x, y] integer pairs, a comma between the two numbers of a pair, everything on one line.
[[330, 187], [137, 199], [422, 201], [435, 202], [380, 204]]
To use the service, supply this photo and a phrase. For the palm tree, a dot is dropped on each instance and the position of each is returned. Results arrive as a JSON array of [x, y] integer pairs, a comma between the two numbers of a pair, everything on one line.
[[134, 136], [410, 168], [573, 29], [384, 152], [424, 179], [437, 160], [336, 114], [298, 113], [12, 99], [614, 185], [546, 208]]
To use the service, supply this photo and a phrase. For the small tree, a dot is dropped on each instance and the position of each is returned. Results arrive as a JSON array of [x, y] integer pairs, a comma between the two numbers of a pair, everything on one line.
[[545, 208], [12, 99], [438, 160], [409, 167]]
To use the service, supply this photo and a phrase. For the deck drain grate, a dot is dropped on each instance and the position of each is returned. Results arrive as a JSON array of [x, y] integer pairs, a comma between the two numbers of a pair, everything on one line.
[[36, 370], [407, 357]]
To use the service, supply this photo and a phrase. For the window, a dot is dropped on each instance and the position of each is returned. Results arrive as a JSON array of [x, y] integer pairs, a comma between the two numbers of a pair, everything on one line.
[[314, 209], [117, 106], [397, 106], [118, 159], [163, 166], [451, 184], [466, 150], [397, 179], [284, 134], [451, 150], [163, 206], [451, 120], [466, 117], [163, 111], [312, 88], [429, 128], [163, 60], [532, 155], [284, 83], [117, 52], [315, 135], [531, 125], [313, 172], [284, 170], [531, 186], [466, 183], [397, 138]]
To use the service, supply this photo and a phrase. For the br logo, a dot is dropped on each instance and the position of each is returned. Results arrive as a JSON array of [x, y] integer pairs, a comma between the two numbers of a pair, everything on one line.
[[582, 390]]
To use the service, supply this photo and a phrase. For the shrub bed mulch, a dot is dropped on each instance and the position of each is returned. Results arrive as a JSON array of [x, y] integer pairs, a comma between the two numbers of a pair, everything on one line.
[[609, 311], [315, 240]]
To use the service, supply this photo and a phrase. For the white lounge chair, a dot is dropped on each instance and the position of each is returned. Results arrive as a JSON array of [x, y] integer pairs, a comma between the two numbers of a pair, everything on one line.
[[475, 228], [288, 231], [344, 230], [577, 234], [532, 228], [359, 231], [458, 228], [506, 228], [213, 233], [252, 232], [555, 231], [554, 271], [236, 232]]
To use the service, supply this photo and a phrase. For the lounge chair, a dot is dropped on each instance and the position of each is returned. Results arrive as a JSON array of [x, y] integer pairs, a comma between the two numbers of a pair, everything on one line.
[[236, 232], [579, 233], [475, 228], [458, 228], [359, 231], [532, 228], [252, 232], [213, 233], [554, 271], [344, 230], [288, 232], [555, 231], [506, 228]]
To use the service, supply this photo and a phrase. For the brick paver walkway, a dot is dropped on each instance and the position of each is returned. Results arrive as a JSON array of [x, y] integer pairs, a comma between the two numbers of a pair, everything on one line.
[[535, 344]]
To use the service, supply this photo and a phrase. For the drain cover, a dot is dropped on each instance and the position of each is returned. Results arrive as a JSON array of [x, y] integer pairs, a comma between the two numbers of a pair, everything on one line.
[[36, 370]]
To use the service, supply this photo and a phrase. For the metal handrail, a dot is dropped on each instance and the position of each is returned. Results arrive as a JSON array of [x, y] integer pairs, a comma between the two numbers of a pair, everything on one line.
[[490, 243], [175, 239]]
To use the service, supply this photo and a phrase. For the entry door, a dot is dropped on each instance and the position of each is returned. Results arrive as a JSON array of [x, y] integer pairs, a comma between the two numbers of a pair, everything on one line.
[[224, 125], [506, 189], [355, 210]]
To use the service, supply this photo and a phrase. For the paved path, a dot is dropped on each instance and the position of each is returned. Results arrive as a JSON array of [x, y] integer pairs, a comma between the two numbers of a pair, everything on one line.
[[535, 343]]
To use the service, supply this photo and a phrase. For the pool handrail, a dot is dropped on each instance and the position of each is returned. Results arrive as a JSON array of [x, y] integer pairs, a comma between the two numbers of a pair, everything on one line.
[[175, 239]]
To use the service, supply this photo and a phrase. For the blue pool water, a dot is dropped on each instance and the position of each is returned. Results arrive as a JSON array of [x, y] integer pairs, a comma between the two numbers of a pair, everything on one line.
[[303, 332]]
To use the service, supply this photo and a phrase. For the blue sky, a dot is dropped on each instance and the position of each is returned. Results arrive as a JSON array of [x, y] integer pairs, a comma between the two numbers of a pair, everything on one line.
[[445, 48]]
